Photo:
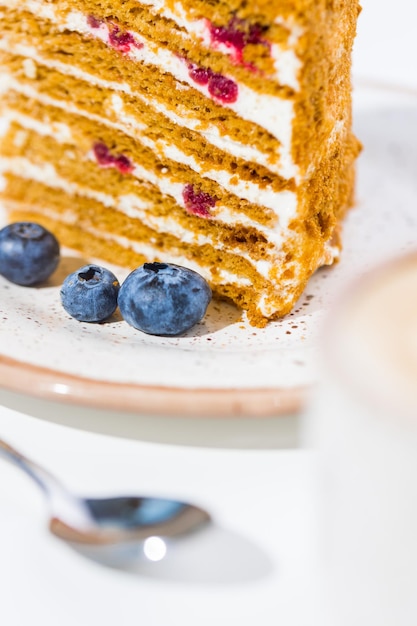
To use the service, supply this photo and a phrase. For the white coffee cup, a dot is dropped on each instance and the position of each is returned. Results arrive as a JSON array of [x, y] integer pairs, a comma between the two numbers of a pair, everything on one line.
[[363, 425]]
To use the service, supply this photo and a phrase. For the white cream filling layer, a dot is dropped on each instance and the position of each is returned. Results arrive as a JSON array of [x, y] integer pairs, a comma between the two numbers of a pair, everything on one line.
[[269, 112], [211, 134], [284, 204], [272, 113], [286, 62], [130, 204]]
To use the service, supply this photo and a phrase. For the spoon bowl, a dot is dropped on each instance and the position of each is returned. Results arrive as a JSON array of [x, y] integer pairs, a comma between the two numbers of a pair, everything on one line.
[[107, 521], [130, 518]]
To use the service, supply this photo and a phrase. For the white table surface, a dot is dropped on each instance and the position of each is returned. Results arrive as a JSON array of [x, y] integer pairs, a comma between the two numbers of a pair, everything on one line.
[[257, 492], [253, 475]]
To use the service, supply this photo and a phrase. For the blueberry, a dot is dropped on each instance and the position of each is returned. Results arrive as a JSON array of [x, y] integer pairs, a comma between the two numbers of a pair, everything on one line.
[[163, 299], [28, 253], [90, 294]]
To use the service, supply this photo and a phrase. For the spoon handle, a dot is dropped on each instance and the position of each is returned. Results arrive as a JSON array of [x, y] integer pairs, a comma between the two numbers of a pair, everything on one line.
[[63, 504], [42, 478]]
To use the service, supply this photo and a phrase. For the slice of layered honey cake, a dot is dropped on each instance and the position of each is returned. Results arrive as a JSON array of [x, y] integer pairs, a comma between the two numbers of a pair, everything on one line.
[[212, 134]]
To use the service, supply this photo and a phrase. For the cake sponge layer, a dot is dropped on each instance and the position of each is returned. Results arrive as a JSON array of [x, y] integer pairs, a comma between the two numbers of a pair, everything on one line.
[[215, 135]]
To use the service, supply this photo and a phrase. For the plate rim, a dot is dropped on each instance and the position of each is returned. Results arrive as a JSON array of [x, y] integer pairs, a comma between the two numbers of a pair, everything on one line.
[[49, 384]]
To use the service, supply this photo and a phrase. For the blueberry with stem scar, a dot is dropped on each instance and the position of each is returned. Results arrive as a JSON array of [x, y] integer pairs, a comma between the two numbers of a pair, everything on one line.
[[164, 299], [90, 294]]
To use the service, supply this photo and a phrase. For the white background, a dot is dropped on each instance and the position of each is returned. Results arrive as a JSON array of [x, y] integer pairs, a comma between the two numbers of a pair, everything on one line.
[[386, 46]]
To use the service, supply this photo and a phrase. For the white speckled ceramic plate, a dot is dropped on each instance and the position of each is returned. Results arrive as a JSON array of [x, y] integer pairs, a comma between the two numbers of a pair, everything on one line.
[[223, 366]]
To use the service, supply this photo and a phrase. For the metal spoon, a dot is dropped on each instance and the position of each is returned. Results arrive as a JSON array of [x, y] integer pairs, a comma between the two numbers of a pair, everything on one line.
[[107, 521]]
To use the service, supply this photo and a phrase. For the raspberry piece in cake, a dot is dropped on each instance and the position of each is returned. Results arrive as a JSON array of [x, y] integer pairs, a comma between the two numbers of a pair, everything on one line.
[[106, 159], [219, 86], [200, 75], [122, 41], [198, 202], [236, 35], [223, 88]]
